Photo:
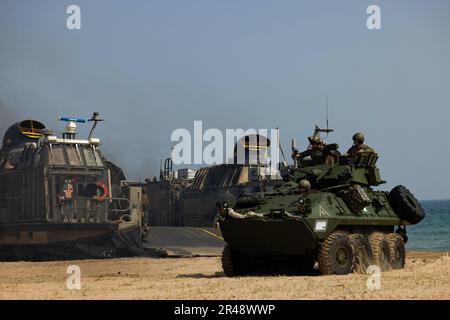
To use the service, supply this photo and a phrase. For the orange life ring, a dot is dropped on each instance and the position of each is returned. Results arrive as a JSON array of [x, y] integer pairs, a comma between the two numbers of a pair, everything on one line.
[[104, 191]]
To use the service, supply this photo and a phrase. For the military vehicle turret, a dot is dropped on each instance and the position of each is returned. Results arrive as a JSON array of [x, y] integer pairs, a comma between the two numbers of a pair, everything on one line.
[[61, 198], [326, 215]]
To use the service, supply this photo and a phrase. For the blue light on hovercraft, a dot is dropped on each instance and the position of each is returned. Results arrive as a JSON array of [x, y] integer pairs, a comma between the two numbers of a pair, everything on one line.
[[72, 119]]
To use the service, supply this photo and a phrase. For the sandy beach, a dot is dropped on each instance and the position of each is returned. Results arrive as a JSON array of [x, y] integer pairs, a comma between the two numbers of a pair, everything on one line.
[[426, 276]]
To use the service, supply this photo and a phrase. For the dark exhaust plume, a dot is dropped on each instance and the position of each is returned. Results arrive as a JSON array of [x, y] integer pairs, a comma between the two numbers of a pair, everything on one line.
[[7, 118]]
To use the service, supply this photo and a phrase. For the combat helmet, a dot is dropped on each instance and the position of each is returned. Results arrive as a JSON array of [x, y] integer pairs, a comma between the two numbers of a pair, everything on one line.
[[359, 137]]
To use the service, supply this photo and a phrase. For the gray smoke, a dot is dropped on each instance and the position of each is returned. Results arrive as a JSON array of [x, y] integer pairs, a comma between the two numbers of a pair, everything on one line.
[[7, 118]]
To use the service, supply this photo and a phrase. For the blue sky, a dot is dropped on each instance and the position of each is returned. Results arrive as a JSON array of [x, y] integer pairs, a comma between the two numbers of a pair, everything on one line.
[[150, 67]]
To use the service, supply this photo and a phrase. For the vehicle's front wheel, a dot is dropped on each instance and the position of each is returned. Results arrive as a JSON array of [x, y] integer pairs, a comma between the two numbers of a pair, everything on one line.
[[396, 250]]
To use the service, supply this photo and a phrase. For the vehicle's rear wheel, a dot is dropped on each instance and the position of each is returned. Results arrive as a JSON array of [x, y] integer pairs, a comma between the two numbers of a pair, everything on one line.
[[363, 252], [380, 250], [336, 255], [396, 250], [233, 262]]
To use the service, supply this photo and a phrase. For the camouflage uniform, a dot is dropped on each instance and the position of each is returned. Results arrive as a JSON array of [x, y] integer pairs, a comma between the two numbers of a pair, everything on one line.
[[362, 148], [315, 151], [320, 152], [359, 146]]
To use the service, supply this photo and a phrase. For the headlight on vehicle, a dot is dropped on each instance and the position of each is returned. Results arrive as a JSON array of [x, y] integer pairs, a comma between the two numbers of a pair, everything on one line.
[[301, 205], [224, 209]]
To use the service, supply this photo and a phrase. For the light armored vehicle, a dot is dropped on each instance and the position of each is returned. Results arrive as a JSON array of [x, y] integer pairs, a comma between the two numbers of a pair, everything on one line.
[[326, 215]]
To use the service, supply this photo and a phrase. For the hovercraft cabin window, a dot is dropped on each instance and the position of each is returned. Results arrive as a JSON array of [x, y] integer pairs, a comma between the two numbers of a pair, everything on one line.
[[57, 157], [73, 156], [92, 158]]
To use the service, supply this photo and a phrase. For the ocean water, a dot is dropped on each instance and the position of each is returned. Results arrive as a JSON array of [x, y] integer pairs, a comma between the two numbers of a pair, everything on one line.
[[433, 232]]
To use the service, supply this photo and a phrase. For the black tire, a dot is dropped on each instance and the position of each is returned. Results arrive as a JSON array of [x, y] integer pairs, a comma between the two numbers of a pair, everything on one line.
[[380, 250], [405, 205], [233, 263], [336, 255], [396, 250], [363, 252]]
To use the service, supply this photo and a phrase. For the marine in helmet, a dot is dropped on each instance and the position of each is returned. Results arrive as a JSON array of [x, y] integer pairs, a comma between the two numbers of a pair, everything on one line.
[[304, 186], [316, 143], [359, 146], [320, 152], [316, 152]]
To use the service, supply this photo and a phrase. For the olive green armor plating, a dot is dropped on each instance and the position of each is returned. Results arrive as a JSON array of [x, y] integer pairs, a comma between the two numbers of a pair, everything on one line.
[[325, 212]]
